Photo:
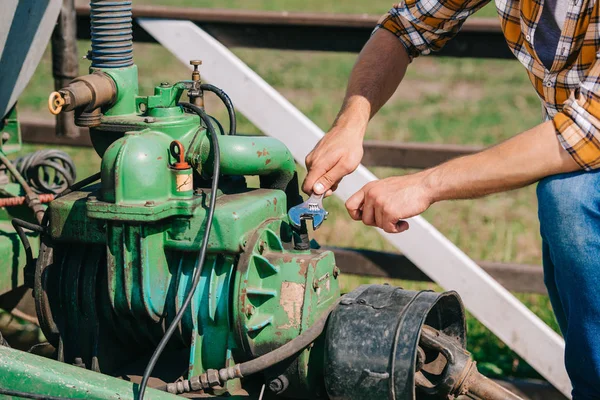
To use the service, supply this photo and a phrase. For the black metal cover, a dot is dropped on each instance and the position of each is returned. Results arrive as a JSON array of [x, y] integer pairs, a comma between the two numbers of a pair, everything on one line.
[[373, 336]]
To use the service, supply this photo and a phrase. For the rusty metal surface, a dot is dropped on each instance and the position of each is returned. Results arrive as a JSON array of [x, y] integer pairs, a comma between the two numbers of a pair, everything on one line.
[[479, 37]]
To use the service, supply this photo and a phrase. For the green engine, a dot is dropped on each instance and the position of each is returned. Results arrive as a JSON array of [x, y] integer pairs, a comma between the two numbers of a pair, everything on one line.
[[123, 253]]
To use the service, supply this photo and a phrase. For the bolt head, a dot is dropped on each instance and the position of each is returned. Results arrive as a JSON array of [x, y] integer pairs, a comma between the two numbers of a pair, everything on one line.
[[336, 271], [213, 377], [195, 62], [276, 385]]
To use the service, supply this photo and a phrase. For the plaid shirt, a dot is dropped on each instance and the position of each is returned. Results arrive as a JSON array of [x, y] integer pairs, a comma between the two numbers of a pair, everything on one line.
[[570, 90]]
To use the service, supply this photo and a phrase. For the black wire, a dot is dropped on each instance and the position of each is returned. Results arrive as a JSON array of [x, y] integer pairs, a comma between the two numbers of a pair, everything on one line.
[[19, 224], [201, 255], [25, 395], [36, 169], [76, 186], [228, 104]]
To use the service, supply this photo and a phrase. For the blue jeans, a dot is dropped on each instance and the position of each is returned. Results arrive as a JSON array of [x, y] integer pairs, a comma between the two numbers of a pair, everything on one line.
[[569, 212]]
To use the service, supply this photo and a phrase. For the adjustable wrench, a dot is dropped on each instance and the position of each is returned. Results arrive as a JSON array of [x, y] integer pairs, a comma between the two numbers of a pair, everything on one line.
[[311, 209]]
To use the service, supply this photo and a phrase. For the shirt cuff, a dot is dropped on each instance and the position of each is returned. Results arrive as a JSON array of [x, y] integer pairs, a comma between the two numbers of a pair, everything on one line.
[[578, 129]]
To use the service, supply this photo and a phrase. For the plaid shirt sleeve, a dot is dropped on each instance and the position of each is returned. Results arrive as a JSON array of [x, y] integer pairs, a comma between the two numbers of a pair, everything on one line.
[[578, 124], [426, 25]]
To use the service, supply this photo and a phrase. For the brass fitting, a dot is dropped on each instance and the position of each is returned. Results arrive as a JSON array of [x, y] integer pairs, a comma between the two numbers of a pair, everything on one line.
[[195, 94], [196, 73], [88, 91]]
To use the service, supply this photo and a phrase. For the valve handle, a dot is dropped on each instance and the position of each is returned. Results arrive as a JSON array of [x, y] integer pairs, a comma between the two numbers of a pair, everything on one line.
[[55, 103]]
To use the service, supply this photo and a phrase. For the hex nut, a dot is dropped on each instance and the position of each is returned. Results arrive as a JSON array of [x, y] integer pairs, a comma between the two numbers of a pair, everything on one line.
[[213, 377]]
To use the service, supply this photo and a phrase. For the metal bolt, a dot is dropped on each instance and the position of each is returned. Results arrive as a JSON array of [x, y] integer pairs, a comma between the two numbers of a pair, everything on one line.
[[361, 301], [336, 271], [195, 63], [315, 284], [279, 384], [149, 203], [92, 199], [165, 84], [261, 247], [249, 310], [149, 120], [78, 362], [213, 377]]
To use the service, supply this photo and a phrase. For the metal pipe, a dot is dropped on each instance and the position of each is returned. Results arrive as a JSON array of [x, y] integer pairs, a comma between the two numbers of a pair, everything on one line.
[[253, 155], [481, 387], [65, 63]]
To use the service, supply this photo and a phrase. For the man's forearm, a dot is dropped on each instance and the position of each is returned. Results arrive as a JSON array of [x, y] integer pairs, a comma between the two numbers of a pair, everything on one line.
[[376, 75], [517, 162]]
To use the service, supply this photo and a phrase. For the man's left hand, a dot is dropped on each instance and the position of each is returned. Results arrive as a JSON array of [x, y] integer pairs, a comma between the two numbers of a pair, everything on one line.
[[387, 202]]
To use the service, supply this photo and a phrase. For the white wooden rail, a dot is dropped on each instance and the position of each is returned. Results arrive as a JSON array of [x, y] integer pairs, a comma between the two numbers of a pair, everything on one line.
[[433, 253]]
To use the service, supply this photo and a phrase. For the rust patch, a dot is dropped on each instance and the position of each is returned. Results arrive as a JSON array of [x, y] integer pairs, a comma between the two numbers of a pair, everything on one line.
[[159, 158], [291, 300], [262, 153], [268, 161]]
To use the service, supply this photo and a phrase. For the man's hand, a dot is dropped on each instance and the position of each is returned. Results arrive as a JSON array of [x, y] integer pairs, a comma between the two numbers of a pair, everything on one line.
[[336, 155], [378, 71], [517, 162], [387, 202]]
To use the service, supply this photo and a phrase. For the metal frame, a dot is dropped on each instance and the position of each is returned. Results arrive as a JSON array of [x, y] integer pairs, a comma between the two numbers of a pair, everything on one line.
[[435, 255]]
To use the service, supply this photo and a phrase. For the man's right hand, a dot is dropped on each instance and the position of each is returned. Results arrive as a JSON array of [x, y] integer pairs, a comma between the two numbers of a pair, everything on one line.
[[376, 75], [336, 155]]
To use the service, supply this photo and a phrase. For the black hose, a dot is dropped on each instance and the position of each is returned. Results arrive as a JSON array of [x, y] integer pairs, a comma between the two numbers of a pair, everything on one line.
[[289, 349], [263, 362], [201, 255], [25, 395], [76, 186], [228, 104], [19, 225], [37, 167], [32, 199]]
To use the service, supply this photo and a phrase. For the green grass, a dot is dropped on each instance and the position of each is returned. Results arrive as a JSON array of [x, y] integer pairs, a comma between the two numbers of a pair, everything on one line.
[[441, 100]]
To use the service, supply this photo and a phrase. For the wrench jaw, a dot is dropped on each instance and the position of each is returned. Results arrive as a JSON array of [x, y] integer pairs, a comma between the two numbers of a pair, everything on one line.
[[311, 209], [317, 219], [296, 215]]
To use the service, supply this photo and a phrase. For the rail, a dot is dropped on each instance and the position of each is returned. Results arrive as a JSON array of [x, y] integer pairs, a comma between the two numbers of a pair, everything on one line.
[[479, 37]]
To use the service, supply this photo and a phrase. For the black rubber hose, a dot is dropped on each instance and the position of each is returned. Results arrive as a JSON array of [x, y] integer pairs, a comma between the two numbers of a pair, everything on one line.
[[202, 254], [228, 104], [289, 349], [36, 169], [19, 225], [265, 361], [32, 198]]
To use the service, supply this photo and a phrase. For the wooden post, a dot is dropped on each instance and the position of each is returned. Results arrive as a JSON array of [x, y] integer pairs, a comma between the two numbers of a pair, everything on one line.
[[65, 63]]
